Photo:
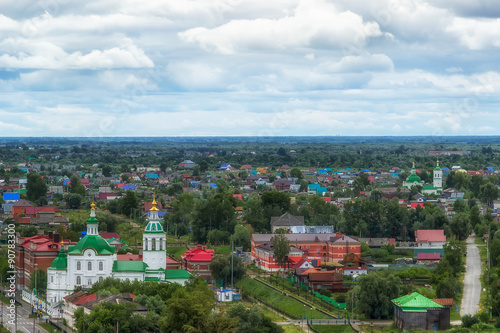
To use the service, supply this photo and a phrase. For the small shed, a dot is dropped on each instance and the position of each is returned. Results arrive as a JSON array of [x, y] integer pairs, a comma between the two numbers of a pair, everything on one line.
[[414, 311]]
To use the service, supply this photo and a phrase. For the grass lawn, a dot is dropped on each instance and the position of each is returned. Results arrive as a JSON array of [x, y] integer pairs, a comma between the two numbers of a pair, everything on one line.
[[292, 329], [482, 252], [176, 251], [223, 249], [479, 240], [79, 215], [333, 328], [290, 306], [50, 328]]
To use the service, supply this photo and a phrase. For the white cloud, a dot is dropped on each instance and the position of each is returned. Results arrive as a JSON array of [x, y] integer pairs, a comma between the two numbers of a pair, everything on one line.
[[475, 33], [314, 24], [45, 55]]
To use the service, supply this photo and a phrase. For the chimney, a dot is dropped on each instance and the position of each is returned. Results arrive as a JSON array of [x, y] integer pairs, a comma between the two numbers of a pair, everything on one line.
[[198, 246], [51, 235], [56, 238], [204, 248]]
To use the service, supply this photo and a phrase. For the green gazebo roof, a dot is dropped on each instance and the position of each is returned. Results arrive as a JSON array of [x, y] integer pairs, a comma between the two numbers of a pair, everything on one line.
[[413, 179], [60, 262], [416, 303], [95, 242]]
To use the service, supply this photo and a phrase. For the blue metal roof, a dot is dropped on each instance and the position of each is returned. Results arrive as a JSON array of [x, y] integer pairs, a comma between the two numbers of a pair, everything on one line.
[[11, 196], [152, 175]]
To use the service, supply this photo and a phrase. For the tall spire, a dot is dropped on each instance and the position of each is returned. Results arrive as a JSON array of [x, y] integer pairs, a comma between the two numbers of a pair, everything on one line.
[[154, 204], [92, 222], [413, 164], [437, 162], [92, 209]]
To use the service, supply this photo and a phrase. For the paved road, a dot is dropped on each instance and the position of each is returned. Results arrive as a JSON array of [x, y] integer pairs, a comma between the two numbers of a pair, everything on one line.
[[472, 284]]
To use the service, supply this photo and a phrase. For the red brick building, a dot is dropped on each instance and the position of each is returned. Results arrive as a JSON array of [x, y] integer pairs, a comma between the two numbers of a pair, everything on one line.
[[197, 261], [40, 250], [324, 247]]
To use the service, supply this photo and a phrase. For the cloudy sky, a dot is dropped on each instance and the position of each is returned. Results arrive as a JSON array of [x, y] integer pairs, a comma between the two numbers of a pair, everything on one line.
[[249, 67]]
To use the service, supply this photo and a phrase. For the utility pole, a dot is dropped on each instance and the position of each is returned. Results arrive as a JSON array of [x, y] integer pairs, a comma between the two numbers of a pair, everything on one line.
[[488, 275], [34, 302]]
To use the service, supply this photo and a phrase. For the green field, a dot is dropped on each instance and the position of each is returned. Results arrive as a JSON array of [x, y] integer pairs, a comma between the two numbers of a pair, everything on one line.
[[290, 306], [333, 328]]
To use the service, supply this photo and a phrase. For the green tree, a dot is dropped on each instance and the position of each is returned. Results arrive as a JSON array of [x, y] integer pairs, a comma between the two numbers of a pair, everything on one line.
[[281, 248], [216, 212], [36, 187], [374, 295], [460, 225], [488, 193], [107, 171], [241, 237], [76, 186], [129, 203], [73, 200], [252, 320], [296, 173], [220, 267], [454, 255], [40, 281]]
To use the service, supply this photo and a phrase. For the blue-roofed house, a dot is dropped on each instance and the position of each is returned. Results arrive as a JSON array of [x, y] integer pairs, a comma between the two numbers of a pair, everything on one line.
[[128, 186], [322, 172], [366, 170], [152, 176], [316, 189], [489, 171], [446, 171], [11, 196]]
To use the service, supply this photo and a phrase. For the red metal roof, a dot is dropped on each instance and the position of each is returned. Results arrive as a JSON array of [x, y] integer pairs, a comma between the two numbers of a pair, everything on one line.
[[430, 236], [85, 299], [198, 254], [429, 256], [444, 301]]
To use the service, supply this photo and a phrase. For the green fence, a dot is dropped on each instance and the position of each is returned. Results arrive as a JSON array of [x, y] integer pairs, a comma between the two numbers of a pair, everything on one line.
[[329, 300]]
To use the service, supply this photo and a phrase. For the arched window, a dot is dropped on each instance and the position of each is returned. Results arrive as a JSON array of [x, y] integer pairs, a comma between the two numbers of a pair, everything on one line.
[[78, 280], [90, 282], [145, 245], [100, 279], [161, 244], [154, 244], [78, 265], [52, 279], [101, 266], [89, 265]]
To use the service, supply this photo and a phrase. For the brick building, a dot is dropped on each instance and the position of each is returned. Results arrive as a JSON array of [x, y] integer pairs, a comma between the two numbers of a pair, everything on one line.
[[197, 260], [40, 250], [323, 247]]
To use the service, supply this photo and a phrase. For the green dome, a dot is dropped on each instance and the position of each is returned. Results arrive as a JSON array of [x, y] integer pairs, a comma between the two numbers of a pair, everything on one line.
[[60, 262], [154, 227], [413, 179], [438, 169], [95, 242]]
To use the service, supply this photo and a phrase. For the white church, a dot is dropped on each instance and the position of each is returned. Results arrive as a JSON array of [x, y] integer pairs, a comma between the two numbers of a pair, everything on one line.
[[92, 259]]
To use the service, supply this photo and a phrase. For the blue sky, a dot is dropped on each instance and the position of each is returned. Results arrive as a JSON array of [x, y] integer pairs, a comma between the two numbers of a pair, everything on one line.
[[259, 67]]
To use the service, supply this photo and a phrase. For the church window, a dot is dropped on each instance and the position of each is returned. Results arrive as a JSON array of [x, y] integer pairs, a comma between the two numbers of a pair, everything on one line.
[[52, 279], [78, 265], [78, 280], [100, 279], [89, 265], [101, 266], [90, 282], [154, 245]]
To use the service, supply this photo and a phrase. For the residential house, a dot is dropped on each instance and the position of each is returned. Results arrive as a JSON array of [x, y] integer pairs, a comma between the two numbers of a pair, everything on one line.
[[265, 259], [286, 221], [430, 238], [197, 261]]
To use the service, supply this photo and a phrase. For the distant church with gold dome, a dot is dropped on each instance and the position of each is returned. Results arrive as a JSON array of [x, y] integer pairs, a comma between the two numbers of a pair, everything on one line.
[[437, 181], [92, 259]]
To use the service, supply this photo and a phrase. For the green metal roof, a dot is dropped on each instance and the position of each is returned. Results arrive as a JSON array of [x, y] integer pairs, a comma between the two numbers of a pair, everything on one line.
[[95, 242], [154, 227], [150, 278], [93, 220], [171, 274], [415, 302], [429, 187], [437, 169], [60, 262], [129, 266]]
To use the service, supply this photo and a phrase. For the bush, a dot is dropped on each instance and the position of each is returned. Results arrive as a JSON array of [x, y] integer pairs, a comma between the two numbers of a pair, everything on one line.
[[482, 327], [468, 321]]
